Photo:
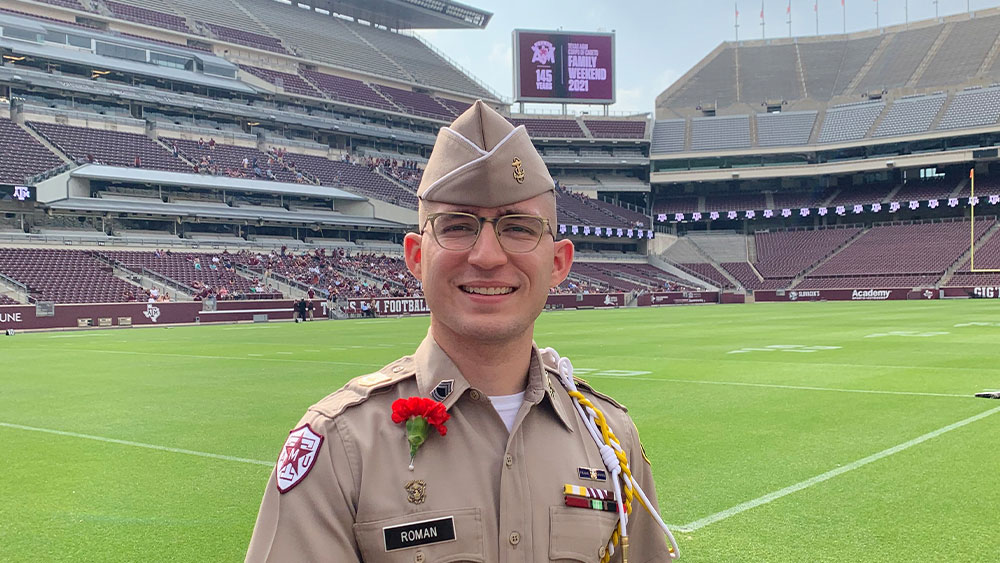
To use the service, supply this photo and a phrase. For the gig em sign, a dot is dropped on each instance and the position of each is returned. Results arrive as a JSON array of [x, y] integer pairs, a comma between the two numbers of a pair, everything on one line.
[[564, 67]]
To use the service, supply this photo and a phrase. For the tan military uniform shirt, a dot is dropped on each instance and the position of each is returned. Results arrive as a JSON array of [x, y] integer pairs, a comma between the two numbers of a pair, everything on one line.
[[499, 496]]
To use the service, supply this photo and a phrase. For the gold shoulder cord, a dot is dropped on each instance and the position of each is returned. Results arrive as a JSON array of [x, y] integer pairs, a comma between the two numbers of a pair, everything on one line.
[[613, 455]]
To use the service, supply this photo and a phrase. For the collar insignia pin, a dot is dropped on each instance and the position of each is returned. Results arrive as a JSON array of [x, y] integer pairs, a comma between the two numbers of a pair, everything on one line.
[[416, 491], [443, 390]]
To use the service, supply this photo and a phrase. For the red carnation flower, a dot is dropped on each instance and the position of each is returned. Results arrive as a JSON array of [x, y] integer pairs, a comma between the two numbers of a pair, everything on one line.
[[419, 414]]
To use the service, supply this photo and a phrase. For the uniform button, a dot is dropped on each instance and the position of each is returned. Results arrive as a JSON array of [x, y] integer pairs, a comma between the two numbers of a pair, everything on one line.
[[397, 369], [420, 557], [602, 551], [515, 538], [508, 460], [476, 395]]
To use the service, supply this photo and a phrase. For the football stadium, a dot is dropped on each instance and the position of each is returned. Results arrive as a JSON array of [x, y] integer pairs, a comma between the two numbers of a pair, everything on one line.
[[788, 272]]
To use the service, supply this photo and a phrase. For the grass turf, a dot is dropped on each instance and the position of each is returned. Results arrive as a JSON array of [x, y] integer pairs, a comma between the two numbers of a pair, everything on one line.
[[730, 405]]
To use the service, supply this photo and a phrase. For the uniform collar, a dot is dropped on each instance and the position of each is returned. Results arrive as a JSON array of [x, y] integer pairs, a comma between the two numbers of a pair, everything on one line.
[[435, 369]]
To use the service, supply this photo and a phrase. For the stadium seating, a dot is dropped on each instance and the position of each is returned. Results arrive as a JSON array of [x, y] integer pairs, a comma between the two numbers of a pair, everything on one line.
[[734, 202], [713, 84], [962, 53], [849, 122], [348, 90], [247, 38], [717, 133], [291, 83], [66, 276], [4, 300], [899, 59], [865, 195], [707, 272], [671, 205], [797, 200], [916, 249], [416, 102], [987, 258], [180, 267], [354, 177], [910, 115], [972, 108], [109, 147], [227, 157], [767, 73], [560, 128], [23, 155], [830, 66], [668, 136], [786, 254], [607, 129], [785, 128], [578, 209], [147, 16]]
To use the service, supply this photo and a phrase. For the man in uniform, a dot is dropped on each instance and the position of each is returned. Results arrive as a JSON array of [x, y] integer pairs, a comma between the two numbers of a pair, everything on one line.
[[517, 477]]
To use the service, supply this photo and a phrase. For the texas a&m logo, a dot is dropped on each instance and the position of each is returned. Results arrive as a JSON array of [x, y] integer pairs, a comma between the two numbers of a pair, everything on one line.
[[543, 52], [297, 457]]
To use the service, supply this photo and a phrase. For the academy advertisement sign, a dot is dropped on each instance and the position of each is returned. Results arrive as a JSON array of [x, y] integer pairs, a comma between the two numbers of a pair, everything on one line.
[[564, 67]]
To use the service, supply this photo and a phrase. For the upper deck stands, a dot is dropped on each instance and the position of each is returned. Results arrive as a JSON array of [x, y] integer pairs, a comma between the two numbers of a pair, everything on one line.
[[616, 129], [23, 156], [114, 148]]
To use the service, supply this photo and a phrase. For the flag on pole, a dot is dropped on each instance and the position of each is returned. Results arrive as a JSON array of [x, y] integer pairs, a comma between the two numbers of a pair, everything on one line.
[[816, 6], [972, 173], [737, 10], [762, 10], [788, 10]]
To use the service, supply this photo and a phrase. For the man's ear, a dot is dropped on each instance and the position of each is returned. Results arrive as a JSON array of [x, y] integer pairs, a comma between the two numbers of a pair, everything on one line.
[[562, 261], [412, 254]]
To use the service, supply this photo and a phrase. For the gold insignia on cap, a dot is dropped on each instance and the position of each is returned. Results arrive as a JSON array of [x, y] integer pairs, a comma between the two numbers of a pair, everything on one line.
[[518, 170], [416, 491]]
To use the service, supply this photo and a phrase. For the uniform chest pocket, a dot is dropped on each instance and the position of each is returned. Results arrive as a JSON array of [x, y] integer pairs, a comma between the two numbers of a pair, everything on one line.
[[442, 536], [579, 534]]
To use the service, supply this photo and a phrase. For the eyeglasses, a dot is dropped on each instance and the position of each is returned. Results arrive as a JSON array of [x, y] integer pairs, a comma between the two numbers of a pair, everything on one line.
[[454, 230]]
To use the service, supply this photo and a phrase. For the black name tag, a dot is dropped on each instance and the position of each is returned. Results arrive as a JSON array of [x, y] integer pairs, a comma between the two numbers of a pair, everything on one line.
[[419, 533]]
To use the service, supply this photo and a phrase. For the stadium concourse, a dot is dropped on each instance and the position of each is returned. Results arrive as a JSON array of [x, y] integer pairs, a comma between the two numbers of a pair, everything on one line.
[[248, 149]]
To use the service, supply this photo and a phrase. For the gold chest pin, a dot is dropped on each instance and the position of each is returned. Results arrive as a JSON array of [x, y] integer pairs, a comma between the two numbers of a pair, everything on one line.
[[416, 491], [518, 170]]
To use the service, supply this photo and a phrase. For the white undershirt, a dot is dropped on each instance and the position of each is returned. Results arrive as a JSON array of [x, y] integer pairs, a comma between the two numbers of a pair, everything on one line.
[[507, 407]]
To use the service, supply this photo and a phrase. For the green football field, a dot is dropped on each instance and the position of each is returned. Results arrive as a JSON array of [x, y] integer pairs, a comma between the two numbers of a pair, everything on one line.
[[791, 432]]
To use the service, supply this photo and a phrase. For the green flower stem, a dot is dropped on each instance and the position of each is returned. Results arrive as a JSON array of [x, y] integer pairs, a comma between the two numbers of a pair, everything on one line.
[[417, 429]]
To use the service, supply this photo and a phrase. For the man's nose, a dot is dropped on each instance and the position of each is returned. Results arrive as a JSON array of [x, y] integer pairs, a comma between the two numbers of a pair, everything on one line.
[[487, 252]]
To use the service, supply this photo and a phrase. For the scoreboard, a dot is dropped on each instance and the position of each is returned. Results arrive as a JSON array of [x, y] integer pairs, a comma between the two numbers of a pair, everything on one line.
[[564, 67]]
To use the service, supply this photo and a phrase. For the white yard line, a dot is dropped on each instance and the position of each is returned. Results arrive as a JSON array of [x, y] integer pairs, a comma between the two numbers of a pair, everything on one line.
[[743, 507], [204, 357], [776, 386], [137, 444]]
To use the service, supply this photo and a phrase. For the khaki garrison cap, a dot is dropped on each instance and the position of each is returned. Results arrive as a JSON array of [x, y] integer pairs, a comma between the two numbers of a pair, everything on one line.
[[483, 161]]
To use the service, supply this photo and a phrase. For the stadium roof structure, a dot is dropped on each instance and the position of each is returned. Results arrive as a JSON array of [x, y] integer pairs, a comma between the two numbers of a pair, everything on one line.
[[254, 213], [410, 14], [164, 178]]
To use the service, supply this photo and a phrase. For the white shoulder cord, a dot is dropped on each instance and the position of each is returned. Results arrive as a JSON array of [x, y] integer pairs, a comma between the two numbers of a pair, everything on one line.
[[609, 456]]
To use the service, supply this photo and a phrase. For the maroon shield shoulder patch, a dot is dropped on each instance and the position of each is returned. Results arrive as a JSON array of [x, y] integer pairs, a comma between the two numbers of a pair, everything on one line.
[[297, 457]]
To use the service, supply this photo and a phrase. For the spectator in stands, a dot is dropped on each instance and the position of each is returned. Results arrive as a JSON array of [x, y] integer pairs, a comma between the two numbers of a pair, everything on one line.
[[485, 282], [201, 142], [211, 143], [197, 264]]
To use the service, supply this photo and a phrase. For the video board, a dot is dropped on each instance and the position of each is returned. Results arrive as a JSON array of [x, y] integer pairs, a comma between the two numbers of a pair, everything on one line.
[[17, 193], [564, 67]]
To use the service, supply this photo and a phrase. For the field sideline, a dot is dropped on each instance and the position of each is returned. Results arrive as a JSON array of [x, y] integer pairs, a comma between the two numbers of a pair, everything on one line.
[[777, 432]]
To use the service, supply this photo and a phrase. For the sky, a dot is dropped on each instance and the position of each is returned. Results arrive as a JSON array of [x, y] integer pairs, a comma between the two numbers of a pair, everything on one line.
[[658, 41]]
